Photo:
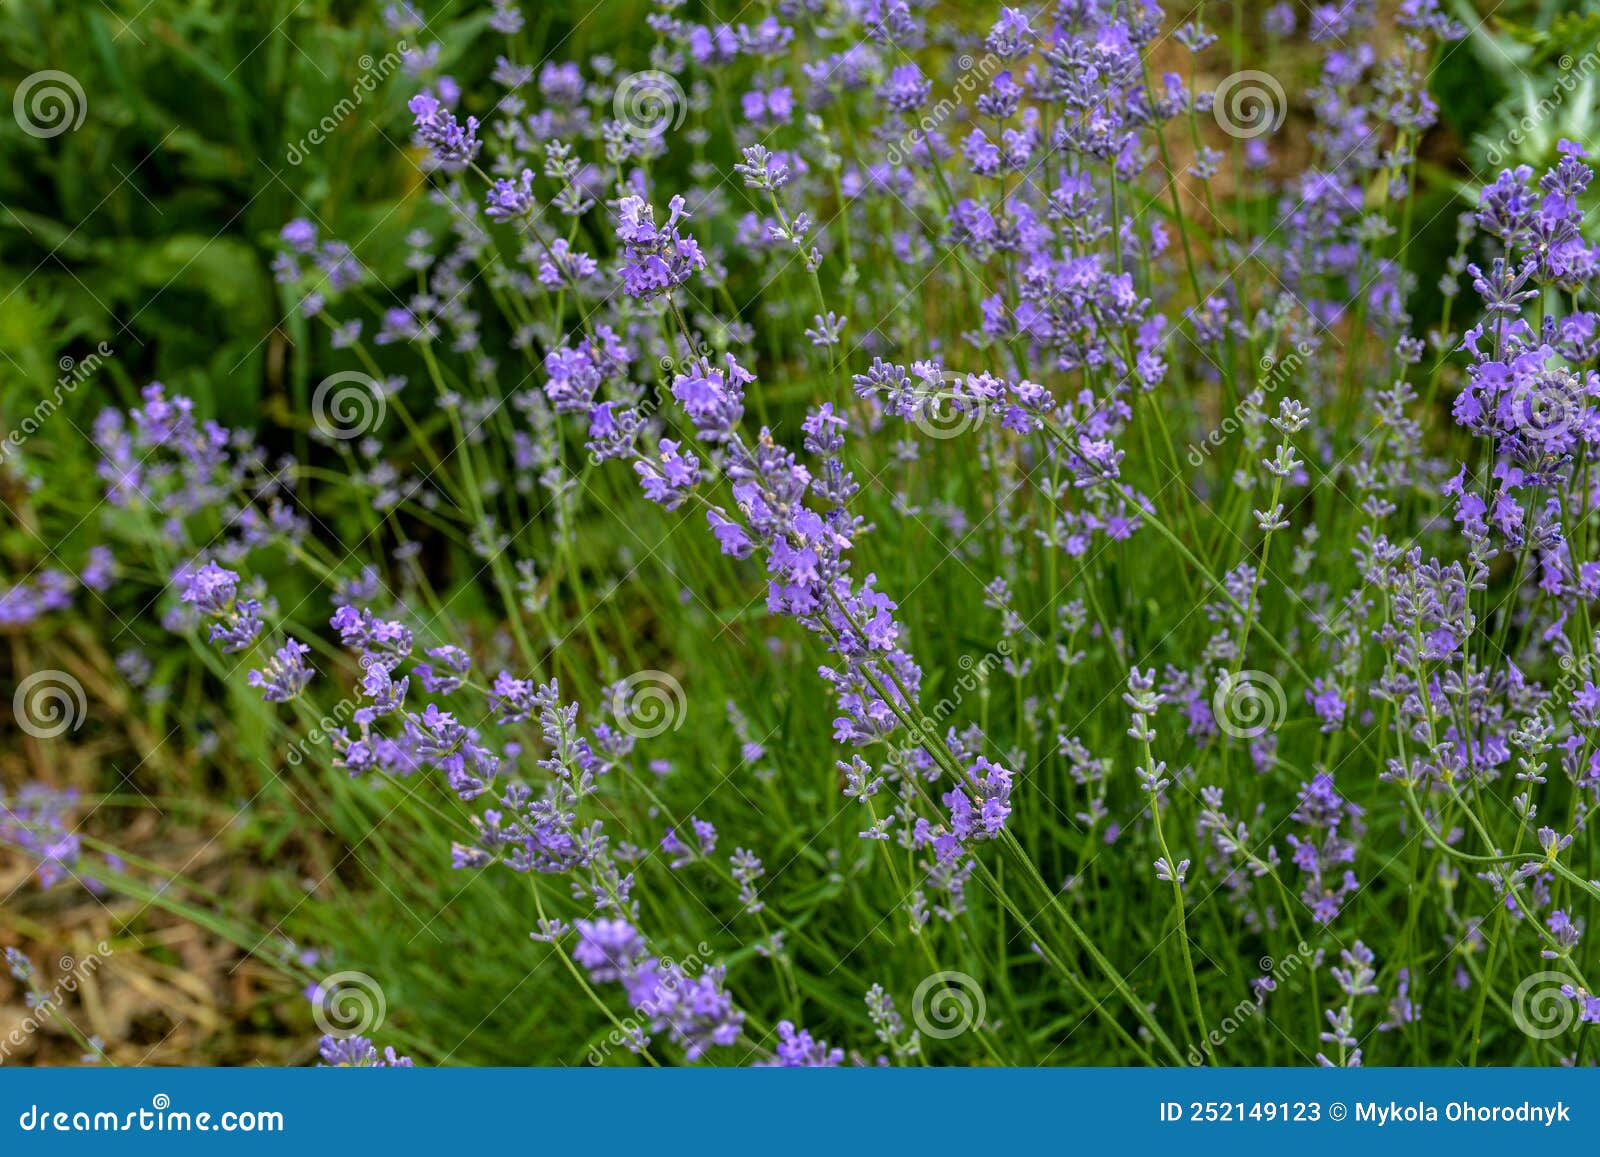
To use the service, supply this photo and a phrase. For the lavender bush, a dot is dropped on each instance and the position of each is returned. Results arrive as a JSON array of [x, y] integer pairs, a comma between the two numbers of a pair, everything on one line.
[[865, 535]]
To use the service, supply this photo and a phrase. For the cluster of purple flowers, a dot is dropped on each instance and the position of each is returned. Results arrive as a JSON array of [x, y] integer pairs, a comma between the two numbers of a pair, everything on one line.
[[695, 1012], [50, 590], [357, 1052], [37, 823]]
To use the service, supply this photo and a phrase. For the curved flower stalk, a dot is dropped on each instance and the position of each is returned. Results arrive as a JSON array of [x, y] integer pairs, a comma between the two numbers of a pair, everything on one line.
[[874, 680]]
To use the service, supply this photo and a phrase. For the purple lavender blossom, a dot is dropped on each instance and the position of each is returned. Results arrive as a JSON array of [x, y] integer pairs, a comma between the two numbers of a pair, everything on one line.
[[453, 143], [285, 675]]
